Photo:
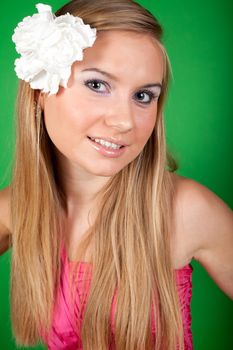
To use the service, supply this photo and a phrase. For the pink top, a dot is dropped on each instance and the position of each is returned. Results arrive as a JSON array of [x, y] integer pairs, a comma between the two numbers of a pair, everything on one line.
[[64, 334]]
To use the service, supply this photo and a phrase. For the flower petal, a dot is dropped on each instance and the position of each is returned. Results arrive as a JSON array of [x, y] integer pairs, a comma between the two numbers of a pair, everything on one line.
[[48, 46]]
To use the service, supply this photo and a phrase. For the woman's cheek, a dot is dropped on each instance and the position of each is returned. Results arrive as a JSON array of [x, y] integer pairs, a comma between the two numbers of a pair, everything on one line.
[[145, 122]]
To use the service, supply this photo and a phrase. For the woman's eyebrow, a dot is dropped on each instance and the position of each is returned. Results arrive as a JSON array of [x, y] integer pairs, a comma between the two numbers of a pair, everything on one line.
[[111, 76]]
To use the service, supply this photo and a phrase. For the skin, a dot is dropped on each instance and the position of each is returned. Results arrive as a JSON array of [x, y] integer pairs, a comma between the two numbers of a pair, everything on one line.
[[202, 222], [109, 111]]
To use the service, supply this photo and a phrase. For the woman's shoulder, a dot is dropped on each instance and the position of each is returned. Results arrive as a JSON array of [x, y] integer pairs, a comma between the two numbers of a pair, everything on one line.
[[196, 207], [195, 201], [203, 226], [5, 230], [5, 211]]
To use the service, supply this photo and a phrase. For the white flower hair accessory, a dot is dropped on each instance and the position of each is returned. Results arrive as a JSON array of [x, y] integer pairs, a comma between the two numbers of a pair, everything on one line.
[[48, 46]]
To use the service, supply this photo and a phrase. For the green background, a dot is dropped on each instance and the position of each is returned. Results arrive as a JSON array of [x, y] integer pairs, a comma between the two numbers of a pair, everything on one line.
[[198, 37]]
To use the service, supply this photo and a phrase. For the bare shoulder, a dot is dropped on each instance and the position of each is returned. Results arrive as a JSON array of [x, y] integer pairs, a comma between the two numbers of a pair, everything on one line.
[[5, 210], [204, 223], [5, 230], [199, 210]]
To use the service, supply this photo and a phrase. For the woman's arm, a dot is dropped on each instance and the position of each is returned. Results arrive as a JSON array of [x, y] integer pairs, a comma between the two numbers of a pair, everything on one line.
[[4, 220], [208, 222]]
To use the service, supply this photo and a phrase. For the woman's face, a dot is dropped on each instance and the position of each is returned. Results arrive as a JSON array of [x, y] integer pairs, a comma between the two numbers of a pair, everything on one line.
[[112, 95]]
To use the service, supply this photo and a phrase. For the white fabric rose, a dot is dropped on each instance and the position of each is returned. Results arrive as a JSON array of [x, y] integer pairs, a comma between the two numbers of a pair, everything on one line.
[[48, 46]]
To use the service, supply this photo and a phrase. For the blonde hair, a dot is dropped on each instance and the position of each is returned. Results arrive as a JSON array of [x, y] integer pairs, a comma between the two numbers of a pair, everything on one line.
[[132, 242]]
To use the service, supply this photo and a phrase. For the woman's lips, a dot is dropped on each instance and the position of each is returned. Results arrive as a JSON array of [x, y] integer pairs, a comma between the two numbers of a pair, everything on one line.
[[109, 139], [107, 151]]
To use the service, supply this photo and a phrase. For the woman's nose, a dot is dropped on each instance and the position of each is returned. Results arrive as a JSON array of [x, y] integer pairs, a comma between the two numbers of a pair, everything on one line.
[[121, 116]]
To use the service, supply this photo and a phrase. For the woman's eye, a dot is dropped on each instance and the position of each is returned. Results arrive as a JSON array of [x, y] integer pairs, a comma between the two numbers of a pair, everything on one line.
[[96, 85], [99, 86], [145, 96]]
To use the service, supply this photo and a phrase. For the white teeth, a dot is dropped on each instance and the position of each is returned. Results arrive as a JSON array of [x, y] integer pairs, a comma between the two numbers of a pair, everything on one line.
[[107, 144]]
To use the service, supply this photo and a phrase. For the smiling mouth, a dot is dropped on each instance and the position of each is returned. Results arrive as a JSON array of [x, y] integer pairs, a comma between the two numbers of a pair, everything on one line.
[[93, 140]]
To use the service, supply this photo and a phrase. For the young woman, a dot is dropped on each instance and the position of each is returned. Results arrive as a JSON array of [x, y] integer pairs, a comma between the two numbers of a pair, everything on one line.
[[102, 229]]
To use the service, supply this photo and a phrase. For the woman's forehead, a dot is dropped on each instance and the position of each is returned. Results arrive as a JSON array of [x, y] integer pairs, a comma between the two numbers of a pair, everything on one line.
[[124, 53]]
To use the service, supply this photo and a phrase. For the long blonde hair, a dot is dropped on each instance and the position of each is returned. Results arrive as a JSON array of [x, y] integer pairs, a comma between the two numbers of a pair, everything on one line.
[[132, 242]]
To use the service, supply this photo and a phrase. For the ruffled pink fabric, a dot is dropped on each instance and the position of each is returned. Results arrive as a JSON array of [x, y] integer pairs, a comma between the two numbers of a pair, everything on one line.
[[65, 335]]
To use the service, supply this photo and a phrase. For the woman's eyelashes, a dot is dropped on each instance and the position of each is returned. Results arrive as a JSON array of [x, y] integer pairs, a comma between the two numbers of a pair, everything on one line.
[[95, 85], [102, 87], [145, 96]]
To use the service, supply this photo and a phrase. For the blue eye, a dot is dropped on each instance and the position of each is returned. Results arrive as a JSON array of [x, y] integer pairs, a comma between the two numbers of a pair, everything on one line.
[[95, 85], [145, 96], [100, 86]]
